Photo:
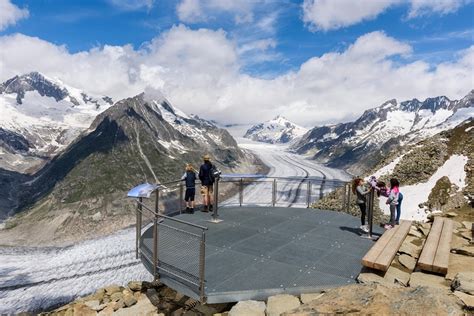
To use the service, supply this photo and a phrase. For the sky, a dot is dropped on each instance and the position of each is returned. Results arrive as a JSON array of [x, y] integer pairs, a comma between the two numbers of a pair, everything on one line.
[[246, 61]]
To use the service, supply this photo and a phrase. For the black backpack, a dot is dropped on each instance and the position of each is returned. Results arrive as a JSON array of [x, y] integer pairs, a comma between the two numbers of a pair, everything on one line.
[[212, 174]]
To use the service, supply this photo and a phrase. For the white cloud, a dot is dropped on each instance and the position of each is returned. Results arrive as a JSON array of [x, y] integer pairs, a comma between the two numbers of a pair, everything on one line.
[[190, 11], [193, 11], [10, 14], [132, 5], [334, 14], [426, 7], [200, 72]]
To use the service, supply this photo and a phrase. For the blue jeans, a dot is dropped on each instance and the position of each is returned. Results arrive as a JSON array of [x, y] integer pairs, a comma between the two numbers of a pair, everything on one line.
[[399, 207]]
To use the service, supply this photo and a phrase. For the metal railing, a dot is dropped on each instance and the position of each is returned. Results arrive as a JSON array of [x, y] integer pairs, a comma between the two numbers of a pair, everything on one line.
[[176, 248], [168, 246]]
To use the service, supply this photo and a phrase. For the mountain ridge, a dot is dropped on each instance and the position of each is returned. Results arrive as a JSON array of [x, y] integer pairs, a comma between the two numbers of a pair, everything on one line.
[[276, 130], [356, 146]]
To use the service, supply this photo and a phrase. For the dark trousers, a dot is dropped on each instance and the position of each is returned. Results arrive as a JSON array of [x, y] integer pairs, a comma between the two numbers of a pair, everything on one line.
[[363, 208]]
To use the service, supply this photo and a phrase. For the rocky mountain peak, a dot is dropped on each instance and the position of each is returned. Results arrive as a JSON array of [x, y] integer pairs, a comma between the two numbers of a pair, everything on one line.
[[277, 130], [33, 81]]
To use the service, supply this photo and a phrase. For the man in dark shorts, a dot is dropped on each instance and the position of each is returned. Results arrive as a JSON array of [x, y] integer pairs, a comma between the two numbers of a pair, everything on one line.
[[207, 182], [190, 179]]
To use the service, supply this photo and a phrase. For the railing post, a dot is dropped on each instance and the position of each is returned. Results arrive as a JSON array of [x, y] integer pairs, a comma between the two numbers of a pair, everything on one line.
[[215, 214], [274, 190], [202, 268], [138, 228], [321, 188], [348, 198], [241, 192], [371, 211], [343, 199], [308, 200], [157, 201], [181, 198], [155, 247]]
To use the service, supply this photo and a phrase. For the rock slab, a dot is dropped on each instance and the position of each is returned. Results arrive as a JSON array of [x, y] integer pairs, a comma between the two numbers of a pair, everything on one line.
[[248, 308], [375, 299], [308, 297], [429, 280], [278, 304], [467, 299], [407, 261], [463, 282]]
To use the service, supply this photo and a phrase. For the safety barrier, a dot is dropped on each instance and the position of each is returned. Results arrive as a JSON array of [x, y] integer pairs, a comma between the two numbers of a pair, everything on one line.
[[176, 248]]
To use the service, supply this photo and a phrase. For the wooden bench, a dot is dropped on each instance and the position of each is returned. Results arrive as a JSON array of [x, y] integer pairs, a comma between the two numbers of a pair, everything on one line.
[[381, 255], [435, 254]]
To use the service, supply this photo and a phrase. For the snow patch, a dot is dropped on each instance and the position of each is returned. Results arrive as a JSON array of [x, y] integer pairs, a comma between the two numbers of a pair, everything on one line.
[[413, 195]]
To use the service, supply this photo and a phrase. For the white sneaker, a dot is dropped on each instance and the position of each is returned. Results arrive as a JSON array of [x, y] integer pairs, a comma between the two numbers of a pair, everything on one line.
[[365, 228]]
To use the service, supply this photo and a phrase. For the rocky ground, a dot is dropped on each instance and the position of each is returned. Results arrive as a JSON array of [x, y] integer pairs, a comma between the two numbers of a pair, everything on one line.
[[402, 290]]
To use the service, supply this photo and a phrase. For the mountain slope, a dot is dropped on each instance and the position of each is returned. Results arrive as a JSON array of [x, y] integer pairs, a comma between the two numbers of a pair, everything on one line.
[[82, 192], [40, 117], [278, 130], [436, 174], [359, 145]]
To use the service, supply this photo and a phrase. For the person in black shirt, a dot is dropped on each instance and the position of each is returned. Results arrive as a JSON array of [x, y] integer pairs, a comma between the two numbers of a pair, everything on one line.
[[207, 182], [190, 179]]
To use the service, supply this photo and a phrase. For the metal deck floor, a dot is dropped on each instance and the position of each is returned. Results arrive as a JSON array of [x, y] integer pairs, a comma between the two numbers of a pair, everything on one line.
[[257, 252]]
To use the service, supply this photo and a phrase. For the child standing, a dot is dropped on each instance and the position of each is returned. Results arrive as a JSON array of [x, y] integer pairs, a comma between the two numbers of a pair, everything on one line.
[[392, 201], [189, 178]]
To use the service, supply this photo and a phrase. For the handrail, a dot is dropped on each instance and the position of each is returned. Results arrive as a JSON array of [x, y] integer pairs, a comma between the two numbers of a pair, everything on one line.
[[171, 218]]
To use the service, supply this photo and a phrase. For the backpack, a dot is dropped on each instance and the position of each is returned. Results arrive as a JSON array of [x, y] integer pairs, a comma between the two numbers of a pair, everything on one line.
[[212, 172]]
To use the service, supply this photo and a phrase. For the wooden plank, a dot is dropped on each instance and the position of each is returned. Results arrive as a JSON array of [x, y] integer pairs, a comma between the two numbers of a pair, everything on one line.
[[425, 262], [386, 256], [441, 260], [373, 253]]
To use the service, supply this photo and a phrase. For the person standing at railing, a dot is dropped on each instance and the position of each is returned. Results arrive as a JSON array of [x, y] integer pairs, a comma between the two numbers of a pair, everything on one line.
[[207, 182], [189, 178], [361, 191]]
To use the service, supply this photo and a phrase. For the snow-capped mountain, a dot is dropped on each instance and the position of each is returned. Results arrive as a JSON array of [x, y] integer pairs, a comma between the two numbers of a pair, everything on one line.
[[278, 130], [139, 139], [360, 144], [40, 116]]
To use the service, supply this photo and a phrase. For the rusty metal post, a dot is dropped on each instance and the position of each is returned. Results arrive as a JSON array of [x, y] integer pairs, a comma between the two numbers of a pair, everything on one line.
[[181, 198], [348, 198], [274, 192], [138, 228], [155, 247], [241, 192], [371, 211], [157, 202], [202, 268], [321, 188], [215, 214], [308, 197]]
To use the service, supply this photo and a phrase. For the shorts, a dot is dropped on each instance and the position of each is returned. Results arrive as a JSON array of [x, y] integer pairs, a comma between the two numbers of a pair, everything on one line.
[[207, 189], [189, 195]]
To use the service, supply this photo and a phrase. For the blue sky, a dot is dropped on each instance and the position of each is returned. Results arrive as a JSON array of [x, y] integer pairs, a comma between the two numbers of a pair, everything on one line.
[[267, 40], [82, 25]]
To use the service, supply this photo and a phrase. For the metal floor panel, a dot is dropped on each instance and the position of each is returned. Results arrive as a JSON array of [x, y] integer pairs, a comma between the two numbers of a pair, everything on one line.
[[261, 251]]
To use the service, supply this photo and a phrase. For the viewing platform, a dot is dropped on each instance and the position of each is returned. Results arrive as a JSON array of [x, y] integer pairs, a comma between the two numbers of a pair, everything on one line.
[[257, 252], [259, 241]]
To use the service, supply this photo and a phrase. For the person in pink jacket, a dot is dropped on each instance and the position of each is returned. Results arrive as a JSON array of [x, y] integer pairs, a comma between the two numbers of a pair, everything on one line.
[[392, 201]]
